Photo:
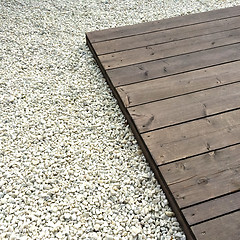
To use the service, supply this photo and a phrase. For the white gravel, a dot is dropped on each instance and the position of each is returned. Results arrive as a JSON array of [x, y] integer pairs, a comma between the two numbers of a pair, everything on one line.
[[70, 167]]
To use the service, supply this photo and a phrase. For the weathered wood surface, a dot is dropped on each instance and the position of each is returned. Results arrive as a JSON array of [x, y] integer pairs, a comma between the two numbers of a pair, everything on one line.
[[126, 31], [171, 35], [222, 228], [178, 83], [196, 137], [174, 65], [212, 209], [172, 86], [165, 45], [184, 108], [201, 178]]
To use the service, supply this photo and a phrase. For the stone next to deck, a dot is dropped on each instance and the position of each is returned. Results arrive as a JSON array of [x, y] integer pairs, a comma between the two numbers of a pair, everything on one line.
[[177, 82]]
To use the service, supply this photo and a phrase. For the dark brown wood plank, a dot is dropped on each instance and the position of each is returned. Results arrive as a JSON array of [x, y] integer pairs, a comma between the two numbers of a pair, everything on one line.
[[123, 44], [173, 65], [212, 209], [203, 177], [190, 80], [223, 228], [163, 24], [152, 163], [150, 53], [196, 137], [154, 115], [176, 85]]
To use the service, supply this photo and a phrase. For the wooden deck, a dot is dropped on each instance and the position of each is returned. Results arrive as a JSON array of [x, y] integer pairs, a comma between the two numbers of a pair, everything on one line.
[[177, 82]]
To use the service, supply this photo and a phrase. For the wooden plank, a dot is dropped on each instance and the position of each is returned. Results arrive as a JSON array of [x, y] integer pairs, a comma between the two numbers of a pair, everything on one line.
[[198, 73], [152, 163], [212, 209], [185, 32], [163, 24], [223, 228], [173, 65], [196, 137], [147, 154], [155, 115], [162, 88], [203, 177], [169, 49]]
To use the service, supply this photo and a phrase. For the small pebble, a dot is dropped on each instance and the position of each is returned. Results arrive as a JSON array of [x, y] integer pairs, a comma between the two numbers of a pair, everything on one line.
[[170, 214], [136, 230], [97, 227]]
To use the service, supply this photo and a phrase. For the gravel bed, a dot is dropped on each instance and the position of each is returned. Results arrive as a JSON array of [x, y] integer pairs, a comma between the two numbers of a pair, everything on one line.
[[70, 167]]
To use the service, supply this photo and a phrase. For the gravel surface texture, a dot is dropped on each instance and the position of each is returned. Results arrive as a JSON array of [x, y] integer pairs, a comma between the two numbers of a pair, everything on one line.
[[70, 167]]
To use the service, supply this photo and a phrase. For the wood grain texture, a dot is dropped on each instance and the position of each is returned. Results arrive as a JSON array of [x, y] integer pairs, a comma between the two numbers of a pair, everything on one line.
[[155, 115], [196, 137], [177, 81], [169, 49], [171, 35], [163, 24], [222, 228], [204, 177], [213, 208], [174, 65], [167, 87]]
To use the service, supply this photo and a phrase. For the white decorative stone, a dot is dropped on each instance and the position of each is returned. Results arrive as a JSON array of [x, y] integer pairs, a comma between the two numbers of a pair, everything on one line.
[[13, 236], [136, 230], [59, 235], [67, 216], [109, 237], [97, 227], [69, 163], [169, 214]]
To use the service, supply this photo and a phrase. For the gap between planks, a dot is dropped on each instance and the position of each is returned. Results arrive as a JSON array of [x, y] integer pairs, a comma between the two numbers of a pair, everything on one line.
[[163, 24]]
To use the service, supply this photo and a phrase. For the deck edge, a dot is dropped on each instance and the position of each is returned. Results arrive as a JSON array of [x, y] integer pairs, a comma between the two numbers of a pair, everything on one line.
[[172, 202], [94, 34]]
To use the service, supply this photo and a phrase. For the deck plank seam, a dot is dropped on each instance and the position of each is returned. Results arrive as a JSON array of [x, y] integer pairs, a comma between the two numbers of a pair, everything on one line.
[[196, 225], [125, 50], [190, 120], [174, 74], [184, 94], [178, 55], [147, 154], [199, 154], [165, 28], [218, 216], [211, 199]]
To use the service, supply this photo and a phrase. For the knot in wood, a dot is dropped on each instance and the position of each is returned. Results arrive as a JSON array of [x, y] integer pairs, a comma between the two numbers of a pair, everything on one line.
[[203, 180]]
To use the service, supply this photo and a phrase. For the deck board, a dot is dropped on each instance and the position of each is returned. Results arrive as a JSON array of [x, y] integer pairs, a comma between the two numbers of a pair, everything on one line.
[[181, 84], [196, 137], [170, 48], [222, 228], [126, 31], [174, 65], [168, 36], [212, 208], [192, 182], [159, 114], [177, 82]]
